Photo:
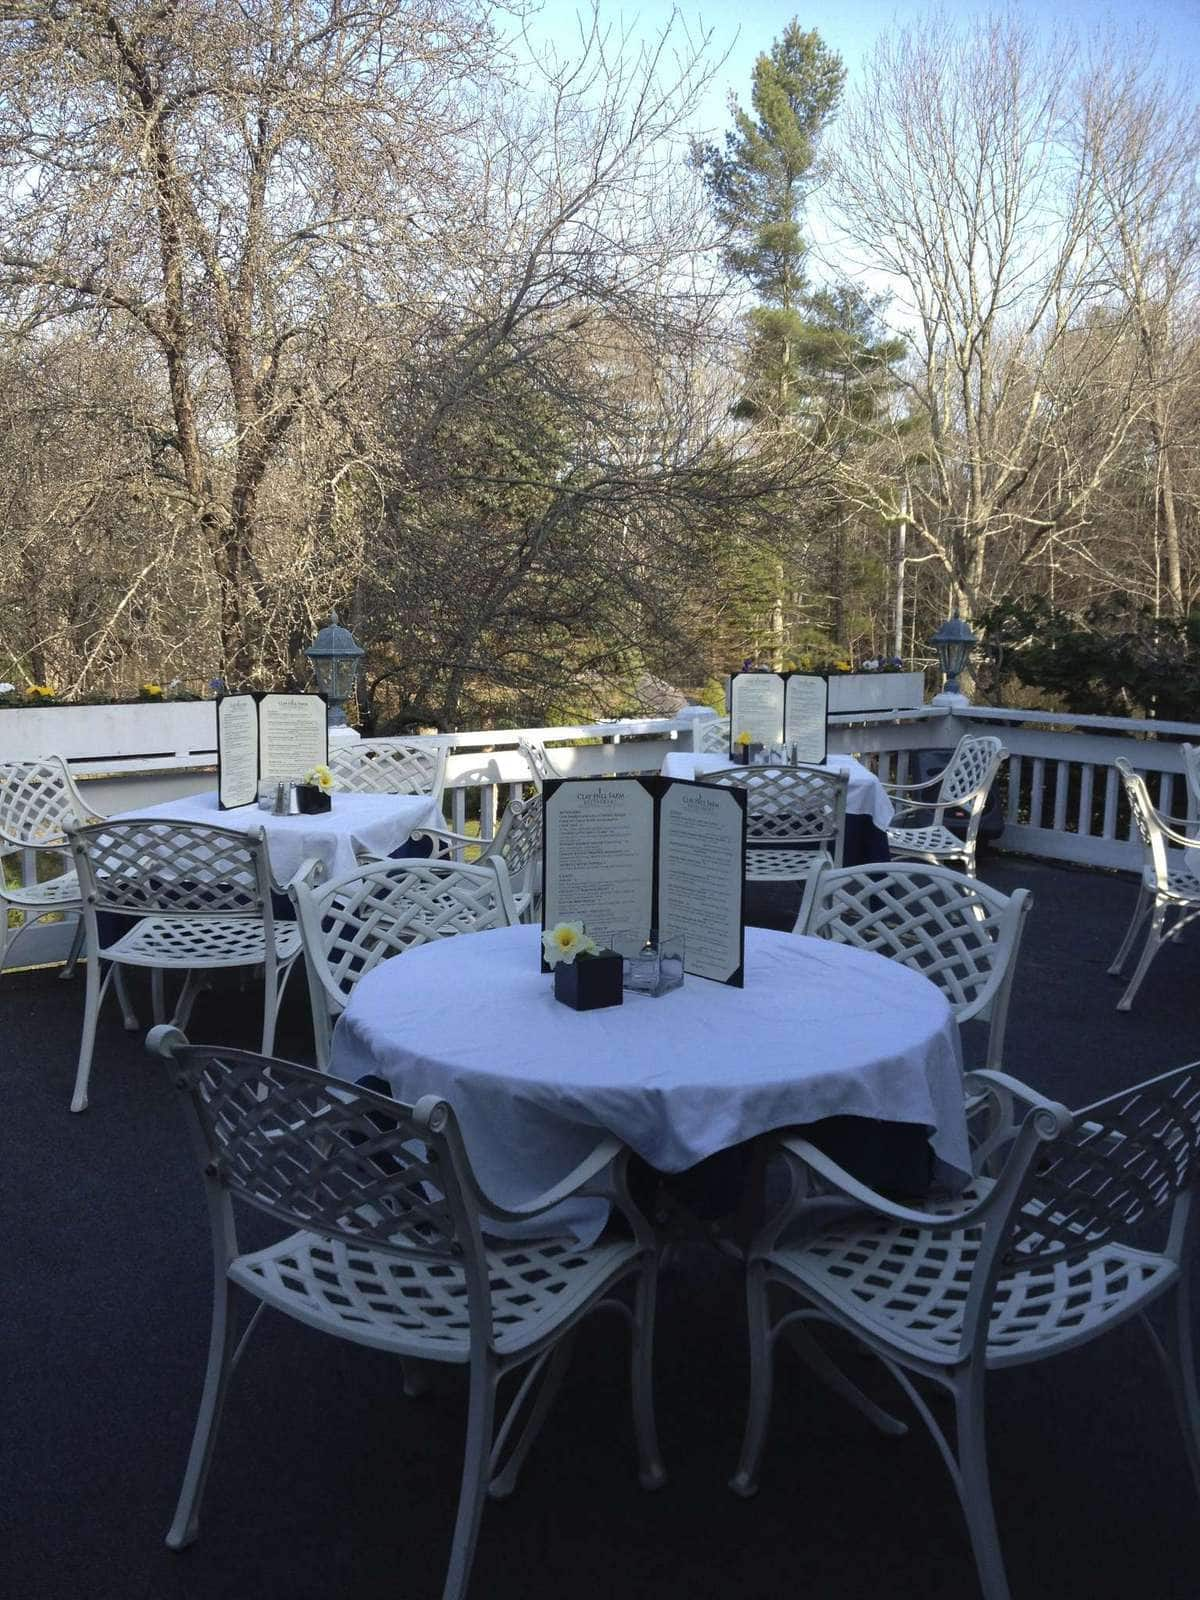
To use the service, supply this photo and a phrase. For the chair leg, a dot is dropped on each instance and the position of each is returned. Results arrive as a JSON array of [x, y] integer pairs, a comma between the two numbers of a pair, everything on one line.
[[87, 1042], [272, 997], [192, 986], [505, 1481], [1140, 910], [129, 1019], [975, 1490], [758, 1410], [480, 1414], [1181, 1370], [1155, 937], [811, 1353], [651, 1472], [76, 946], [221, 1344], [157, 986]]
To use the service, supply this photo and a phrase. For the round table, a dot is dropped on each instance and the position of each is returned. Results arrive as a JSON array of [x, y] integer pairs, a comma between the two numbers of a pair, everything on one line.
[[865, 795], [373, 823], [820, 1030]]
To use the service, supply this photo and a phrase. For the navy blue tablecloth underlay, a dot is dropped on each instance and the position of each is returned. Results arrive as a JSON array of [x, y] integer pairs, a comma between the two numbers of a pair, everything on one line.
[[776, 905]]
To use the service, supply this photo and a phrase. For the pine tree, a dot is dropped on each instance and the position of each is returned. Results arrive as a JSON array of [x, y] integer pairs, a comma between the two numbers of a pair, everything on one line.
[[759, 184]]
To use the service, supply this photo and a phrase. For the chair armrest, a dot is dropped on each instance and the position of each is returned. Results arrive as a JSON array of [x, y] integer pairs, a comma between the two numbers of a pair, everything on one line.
[[825, 1167], [311, 872], [1182, 841], [599, 1160], [911, 788], [975, 1083], [446, 836]]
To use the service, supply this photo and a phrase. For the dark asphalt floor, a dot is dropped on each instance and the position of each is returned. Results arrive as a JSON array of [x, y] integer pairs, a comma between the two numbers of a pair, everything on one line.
[[328, 1483]]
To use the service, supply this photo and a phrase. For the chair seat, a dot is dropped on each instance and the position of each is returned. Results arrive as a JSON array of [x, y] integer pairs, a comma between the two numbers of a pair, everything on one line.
[[1182, 883], [764, 864], [908, 1287], [59, 893], [201, 942], [936, 841], [420, 1308]]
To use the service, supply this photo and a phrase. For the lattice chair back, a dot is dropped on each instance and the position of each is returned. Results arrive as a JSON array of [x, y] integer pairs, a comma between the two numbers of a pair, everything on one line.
[[1123, 1159], [38, 803], [328, 1157], [540, 764], [518, 843], [389, 766], [1071, 1184], [791, 805], [713, 737], [1146, 821], [957, 932], [351, 924], [971, 770], [145, 867]]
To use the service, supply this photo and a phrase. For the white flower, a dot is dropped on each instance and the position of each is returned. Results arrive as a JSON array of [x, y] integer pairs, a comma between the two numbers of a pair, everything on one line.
[[320, 778], [566, 941]]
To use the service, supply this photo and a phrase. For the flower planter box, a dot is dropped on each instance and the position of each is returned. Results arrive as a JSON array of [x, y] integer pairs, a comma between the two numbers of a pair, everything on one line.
[[182, 729], [590, 982], [875, 692]]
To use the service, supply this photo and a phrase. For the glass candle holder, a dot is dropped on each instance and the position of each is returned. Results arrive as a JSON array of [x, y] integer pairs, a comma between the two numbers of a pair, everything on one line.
[[652, 963]]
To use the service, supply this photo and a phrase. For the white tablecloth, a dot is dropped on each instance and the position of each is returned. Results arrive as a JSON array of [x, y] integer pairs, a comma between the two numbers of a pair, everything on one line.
[[376, 822], [820, 1030], [865, 795]]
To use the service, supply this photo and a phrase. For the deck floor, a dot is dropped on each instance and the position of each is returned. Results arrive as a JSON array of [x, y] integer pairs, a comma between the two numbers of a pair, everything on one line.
[[328, 1483]]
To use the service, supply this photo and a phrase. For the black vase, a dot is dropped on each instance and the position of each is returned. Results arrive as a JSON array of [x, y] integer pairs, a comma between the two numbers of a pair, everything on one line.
[[311, 799], [589, 982]]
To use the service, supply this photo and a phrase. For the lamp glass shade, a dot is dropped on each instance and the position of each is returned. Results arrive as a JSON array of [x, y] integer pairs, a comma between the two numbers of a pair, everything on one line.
[[335, 654], [953, 642]]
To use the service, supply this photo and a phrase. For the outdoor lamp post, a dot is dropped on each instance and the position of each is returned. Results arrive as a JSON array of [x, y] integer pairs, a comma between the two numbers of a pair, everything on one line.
[[335, 655], [953, 642]]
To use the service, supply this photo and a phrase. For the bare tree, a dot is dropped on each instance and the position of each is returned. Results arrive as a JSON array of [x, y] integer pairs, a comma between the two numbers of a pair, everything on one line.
[[959, 173], [242, 188], [1144, 142]]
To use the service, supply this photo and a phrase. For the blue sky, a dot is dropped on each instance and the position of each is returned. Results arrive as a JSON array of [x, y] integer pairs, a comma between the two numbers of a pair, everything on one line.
[[851, 27]]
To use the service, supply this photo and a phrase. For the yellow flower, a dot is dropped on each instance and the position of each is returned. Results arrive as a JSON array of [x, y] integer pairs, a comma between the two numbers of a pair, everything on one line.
[[743, 738], [153, 690], [842, 666], [566, 941], [321, 778], [43, 690]]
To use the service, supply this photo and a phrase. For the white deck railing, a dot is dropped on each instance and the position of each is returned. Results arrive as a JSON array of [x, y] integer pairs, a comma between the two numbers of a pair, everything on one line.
[[1060, 790]]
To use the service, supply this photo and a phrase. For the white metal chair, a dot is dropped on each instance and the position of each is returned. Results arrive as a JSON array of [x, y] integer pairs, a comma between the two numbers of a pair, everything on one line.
[[959, 933], [517, 842], [540, 765], [1169, 890], [38, 803], [389, 766], [195, 899], [352, 923], [390, 1250], [791, 814], [1046, 1256], [713, 737], [963, 786]]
